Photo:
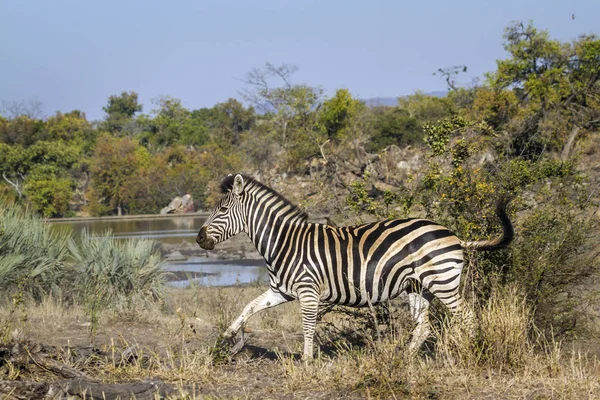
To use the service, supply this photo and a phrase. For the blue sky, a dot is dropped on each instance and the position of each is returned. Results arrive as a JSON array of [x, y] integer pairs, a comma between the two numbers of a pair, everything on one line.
[[74, 54]]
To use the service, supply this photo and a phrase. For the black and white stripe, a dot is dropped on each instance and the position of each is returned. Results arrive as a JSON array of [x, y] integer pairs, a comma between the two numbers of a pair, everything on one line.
[[354, 266]]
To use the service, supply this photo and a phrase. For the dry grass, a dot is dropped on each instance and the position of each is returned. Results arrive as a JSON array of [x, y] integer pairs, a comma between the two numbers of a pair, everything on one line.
[[175, 342]]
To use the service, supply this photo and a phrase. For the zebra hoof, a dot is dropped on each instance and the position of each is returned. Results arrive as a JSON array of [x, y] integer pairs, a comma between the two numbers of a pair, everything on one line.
[[237, 347]]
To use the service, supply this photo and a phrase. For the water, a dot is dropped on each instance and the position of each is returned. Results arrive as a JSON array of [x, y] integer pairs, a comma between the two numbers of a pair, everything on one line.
[[164, 230], [174, 230], [218, 273]]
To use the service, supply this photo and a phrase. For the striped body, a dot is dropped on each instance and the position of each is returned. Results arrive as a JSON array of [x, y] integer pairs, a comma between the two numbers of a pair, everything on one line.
[[367, 263], [355, 266]]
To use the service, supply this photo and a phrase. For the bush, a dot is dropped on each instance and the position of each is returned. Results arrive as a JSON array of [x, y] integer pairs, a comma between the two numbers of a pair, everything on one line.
[[118, 270], [116, 275], [31, 256]]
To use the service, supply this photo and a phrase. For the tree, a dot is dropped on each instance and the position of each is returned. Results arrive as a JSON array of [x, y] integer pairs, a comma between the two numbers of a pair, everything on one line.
[[71, 126], [120, 110], [228, 120], [337, 114], [557, 85], [393, 126], [48, 192], [12, 166], [116, 162], [290, 111], [426, 108], [21, 130], [289, 106], [32, 109], [125, 105], [17, 162], [449, 75], [172, 124]]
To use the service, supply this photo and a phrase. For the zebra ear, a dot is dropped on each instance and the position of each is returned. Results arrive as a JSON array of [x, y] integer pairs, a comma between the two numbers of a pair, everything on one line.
[[238, 185]]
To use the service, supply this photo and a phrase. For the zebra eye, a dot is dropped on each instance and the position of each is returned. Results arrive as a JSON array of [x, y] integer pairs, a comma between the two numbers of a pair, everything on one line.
[[223, 209]]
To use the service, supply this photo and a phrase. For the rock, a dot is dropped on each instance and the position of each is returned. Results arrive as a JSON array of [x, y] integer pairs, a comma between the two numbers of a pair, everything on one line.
[[403, 165], [179, 205], [175, 256], [487, 158]]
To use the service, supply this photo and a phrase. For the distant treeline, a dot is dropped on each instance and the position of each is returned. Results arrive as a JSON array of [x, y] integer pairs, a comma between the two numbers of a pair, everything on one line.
[[544, 95]]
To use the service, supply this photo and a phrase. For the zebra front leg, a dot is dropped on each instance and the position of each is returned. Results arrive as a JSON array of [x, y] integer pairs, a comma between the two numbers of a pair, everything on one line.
[[268, 299], [309, 306]]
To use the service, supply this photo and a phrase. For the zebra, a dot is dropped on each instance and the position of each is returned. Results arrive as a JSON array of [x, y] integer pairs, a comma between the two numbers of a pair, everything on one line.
[[356, 266]]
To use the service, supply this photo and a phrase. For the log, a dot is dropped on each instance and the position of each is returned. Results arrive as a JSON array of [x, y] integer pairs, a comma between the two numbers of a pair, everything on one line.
[[23, 390], [74, 382], [86, 389]]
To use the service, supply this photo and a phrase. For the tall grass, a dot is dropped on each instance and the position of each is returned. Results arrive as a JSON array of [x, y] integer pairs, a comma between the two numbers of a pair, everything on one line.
[[502, 338], [32, 257]]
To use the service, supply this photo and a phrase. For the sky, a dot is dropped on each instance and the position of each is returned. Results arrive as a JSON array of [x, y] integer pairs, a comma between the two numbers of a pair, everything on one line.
[[75, 54]]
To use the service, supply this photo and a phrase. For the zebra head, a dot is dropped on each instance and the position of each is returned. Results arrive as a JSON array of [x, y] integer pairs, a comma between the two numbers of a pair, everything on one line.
[[227, 219]]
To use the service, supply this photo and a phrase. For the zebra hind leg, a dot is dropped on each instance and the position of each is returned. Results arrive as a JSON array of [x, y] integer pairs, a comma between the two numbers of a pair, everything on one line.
[[460, 310], [419, 309]]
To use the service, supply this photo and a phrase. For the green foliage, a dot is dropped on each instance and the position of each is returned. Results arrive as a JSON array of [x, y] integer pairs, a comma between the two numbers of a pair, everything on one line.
[[126, 104], [427, 108], [116, 274], [393, 126], [115, 164], [22, 131], [120, 110], [172, 124], [30, 254], [438, 135], [337, 114], [72, 126], [360, 200], [228, 120], [557, 83], [49, 195]]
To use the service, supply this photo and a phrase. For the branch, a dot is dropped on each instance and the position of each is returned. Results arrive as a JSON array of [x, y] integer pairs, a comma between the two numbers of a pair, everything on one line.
[[322, 152], [569, 145], [13, 184]]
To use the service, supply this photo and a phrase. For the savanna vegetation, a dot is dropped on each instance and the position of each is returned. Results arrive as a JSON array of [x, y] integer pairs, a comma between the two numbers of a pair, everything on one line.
[[528, 130]]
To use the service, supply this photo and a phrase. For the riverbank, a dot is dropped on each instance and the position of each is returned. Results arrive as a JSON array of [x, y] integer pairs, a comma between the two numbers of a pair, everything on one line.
[[199, 214], [239, 247]]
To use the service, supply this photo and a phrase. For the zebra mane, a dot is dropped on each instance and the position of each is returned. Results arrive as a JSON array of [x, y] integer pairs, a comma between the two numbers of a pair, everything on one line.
[[227, 185]]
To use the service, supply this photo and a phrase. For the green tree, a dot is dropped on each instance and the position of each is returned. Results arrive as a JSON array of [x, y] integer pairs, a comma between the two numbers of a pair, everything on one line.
[[228, 120], [289, 107], [120, 111], [556, 83], [21, 130], [172, 124], [338, 114], [393, 126], [72, 126], [115, 164], [426, 108]]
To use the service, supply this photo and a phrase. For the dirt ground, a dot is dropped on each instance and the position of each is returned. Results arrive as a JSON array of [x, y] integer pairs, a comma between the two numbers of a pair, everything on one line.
[[175, 342]]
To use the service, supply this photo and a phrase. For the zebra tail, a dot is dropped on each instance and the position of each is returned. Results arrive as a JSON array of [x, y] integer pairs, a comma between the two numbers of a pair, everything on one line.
[[500, 242]]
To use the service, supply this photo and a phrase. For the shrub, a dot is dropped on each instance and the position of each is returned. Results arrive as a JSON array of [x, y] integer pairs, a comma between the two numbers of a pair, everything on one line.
[[118, 271], [31, 255]]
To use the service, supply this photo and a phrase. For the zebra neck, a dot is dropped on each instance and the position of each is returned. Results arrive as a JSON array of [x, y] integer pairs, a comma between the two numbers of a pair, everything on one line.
[[270, 235]]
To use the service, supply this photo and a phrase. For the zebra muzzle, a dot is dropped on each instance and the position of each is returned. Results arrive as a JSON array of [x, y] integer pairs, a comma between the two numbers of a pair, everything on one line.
[[205, 241]]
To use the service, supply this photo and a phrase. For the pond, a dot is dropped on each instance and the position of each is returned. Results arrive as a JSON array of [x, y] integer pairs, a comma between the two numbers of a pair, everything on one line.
[[175, 233]]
